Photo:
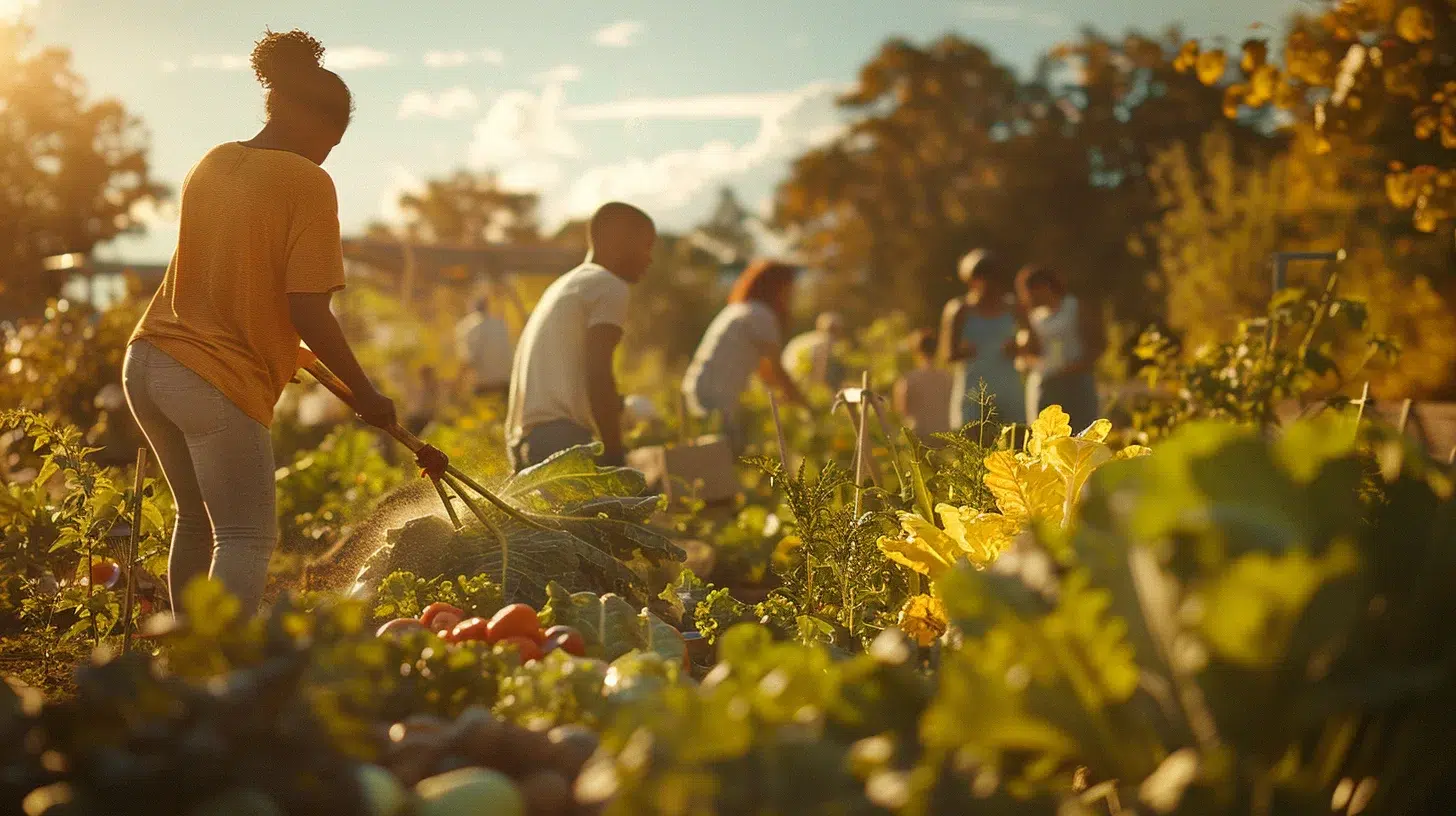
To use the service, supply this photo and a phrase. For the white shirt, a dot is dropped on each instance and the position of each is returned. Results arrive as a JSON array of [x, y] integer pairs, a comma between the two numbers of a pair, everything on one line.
[[1060, 335], [741, 335], [484, 343], [548, 376]]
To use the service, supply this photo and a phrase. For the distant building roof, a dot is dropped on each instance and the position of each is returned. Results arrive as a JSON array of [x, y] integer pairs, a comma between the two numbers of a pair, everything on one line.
[[431, 260]]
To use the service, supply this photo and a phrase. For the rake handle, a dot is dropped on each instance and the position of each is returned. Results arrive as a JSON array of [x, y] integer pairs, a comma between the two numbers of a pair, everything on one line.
[[328, 379]]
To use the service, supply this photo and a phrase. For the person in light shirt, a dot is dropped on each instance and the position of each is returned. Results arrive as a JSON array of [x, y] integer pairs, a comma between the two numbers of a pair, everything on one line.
[[483, 342], [1066, 339], [563, 392], [745, 337]]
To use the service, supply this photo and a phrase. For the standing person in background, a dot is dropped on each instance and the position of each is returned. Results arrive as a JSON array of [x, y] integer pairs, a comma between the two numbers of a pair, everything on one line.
[[978, 333], [561, 380], [483, 343], [922, 394], [1066, 341], [258, 258], [747, 335], [812, 357]]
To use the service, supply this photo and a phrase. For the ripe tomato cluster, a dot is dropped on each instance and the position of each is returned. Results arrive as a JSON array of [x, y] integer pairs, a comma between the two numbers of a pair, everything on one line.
[[516, 625]]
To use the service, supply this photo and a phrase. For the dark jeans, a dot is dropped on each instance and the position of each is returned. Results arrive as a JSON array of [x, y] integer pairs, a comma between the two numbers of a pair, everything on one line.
[[549, 438], [1076, 393]]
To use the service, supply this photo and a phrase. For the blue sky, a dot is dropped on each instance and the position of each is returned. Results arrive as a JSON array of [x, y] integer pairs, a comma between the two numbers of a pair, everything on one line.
[[657, 102]]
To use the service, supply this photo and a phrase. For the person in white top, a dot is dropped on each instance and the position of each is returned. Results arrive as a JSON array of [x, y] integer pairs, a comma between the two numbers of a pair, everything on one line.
[[812, 356], [483, 342], [746, 336], [562, 383], [922, 394], [1065, 341]]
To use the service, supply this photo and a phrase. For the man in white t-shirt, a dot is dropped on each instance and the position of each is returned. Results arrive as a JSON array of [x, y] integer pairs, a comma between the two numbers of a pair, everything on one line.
[[483, 341], [561, 380]]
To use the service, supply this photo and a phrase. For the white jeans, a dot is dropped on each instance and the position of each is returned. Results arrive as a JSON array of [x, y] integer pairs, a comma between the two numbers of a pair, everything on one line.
[[218, 462]]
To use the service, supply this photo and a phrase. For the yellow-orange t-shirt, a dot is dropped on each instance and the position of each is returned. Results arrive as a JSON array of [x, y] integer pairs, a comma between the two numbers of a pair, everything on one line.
[[256, 225]]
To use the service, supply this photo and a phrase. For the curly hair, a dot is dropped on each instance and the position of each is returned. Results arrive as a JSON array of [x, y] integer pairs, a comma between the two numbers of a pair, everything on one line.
[[290, 65]]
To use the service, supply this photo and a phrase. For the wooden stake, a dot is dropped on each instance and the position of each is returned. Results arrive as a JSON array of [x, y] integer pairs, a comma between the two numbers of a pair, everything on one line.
[[133, 549]]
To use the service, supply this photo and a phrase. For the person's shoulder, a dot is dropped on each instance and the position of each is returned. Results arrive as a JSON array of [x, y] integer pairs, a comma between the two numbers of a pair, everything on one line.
[[596, 275]]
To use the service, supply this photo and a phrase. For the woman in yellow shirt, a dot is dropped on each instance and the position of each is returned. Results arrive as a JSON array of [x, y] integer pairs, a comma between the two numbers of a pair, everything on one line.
[[258, 258]]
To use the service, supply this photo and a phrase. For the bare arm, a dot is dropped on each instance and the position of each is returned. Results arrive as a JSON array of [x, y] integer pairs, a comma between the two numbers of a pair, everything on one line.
[[606, 403], [771, 370], [900, 397], [318, 327], [951, 347]]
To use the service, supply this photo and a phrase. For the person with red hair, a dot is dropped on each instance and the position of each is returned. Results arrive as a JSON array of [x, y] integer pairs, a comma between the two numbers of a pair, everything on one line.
[[747, 335]]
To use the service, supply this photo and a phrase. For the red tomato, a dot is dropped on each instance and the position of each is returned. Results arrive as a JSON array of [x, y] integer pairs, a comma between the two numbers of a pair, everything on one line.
[[427, 617], [399, 627], [469, 629], [516, 620], [105, 573], [565, 637], [525, 647]]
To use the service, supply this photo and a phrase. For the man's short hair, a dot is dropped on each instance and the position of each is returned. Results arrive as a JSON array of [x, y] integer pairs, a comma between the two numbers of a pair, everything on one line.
[[613, 220]]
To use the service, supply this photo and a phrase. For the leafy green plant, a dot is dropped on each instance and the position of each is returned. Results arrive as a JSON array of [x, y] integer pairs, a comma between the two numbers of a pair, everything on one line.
[[405, 595], [571, 521], [327, 487], [50, 542], [842, 587], [1286, 355]]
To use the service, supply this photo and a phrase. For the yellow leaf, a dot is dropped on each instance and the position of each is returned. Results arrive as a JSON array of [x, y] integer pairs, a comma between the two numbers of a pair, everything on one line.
[[1255, 52], [1097, 431], [1233, 97], [1415, 24], [1021, 490], [1262, 86], [1132, 452], [980, 536], [1187, 57], [923, 618], [924, 547], [1051, 423], [1211, 65], [1075, 459]]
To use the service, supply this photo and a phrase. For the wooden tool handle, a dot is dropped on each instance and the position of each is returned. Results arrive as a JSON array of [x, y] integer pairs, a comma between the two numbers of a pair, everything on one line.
[[309, 362]]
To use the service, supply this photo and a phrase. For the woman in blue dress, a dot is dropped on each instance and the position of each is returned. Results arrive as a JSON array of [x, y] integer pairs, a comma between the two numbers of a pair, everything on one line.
[[978, 333]]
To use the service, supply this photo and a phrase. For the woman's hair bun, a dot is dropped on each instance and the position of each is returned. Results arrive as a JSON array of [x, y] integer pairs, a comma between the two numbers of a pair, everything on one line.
[[279, 56]]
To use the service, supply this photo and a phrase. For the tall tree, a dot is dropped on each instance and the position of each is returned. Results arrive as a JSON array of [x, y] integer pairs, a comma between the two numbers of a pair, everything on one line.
[[950, 151], [71, 169], [1377, 79]]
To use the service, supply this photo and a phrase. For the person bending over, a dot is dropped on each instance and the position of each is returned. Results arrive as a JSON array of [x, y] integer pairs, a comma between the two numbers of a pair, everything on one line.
[[562, 383]]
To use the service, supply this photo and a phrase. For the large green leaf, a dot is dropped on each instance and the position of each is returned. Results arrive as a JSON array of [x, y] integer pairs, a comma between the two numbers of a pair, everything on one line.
[[609, 625], [571, 476]]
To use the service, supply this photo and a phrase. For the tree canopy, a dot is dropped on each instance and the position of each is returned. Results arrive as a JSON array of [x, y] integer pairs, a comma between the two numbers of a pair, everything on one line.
[[72, 169]]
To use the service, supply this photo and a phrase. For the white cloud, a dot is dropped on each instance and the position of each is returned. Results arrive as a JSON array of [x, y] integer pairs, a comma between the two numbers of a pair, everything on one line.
[[618, 35], [448, 104], [523, 139], [752, 105], [15, 9], [789, 123], [1005, 13], [559, 75], [355, 58], [456, 59], [218, 62]]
